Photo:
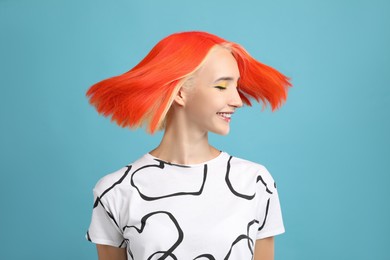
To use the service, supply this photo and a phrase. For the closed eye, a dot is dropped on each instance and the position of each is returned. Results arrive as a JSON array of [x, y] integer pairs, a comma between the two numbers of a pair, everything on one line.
[[220, 87]]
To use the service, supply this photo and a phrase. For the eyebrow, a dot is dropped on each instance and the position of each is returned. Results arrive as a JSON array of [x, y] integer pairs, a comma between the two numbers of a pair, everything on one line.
[[225, 78]]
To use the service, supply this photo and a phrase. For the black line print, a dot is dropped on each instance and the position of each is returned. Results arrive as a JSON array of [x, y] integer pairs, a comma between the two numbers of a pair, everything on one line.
[[259, 178], [167, 253], [98, 199], [172, 164], [250, 241], [161, 166], [109, 214], [128, 248], [229, 184], [238, 239], [265, 217], [244, 196], [163, 252], [207, 256], [112, 186], [123, 241], [99, 202]]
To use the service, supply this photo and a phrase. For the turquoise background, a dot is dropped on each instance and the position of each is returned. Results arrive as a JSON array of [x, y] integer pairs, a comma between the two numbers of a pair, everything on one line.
[[328, 147]]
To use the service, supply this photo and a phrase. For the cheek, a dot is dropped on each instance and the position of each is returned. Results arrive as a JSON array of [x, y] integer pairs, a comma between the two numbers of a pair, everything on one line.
[[197, 102], [205, 103], [200, 111]]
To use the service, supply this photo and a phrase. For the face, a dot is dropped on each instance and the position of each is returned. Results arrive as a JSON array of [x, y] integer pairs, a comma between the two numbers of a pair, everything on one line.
[[213, 96]]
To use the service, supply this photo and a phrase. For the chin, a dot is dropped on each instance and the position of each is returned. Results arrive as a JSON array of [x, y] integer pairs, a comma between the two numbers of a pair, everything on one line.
[[221, 131]]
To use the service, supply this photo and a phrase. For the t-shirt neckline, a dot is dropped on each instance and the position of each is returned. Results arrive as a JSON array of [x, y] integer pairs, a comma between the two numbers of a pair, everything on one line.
[[219, 156]]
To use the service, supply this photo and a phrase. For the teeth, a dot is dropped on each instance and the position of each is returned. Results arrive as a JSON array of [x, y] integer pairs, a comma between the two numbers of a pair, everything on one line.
[[227, 115]]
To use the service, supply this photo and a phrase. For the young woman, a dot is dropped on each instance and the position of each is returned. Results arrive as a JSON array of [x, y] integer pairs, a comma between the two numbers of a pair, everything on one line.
[[186, 199]]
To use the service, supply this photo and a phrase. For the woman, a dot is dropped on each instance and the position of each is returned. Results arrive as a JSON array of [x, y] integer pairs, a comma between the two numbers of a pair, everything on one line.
[[186, 199]]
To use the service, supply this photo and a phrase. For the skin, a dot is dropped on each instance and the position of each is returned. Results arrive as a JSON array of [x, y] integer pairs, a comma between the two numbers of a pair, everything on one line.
[[196, 110], [111, 253], [264, 249]]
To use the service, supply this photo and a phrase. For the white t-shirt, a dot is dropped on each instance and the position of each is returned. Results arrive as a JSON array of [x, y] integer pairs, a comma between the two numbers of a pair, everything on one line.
[[213, 210]]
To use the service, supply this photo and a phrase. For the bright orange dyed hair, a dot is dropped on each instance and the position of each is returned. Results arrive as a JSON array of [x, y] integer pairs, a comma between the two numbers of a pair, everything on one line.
[[144, 94]]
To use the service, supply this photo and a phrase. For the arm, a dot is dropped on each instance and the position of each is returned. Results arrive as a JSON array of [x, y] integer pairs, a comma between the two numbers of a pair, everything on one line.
[[111, 253], [264, 249]]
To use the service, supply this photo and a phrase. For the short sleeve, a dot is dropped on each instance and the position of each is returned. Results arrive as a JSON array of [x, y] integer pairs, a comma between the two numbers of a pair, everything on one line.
[[103, 228], [270, 214]]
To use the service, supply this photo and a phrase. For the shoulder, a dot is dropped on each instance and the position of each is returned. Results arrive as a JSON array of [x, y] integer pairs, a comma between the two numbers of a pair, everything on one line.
[[110, 180], [258, 169], [116, 178]]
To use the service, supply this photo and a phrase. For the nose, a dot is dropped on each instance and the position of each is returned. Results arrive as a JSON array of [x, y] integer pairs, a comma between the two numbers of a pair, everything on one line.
[[236, 100]]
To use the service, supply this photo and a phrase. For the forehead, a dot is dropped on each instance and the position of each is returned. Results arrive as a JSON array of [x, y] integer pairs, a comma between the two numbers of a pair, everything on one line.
[[219, 63]]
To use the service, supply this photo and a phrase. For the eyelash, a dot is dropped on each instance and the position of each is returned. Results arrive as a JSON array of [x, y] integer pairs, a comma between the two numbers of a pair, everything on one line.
[[220, 87]]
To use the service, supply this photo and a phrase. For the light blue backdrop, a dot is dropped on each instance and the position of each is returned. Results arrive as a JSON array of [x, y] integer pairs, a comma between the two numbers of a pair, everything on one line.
[[328, 147]]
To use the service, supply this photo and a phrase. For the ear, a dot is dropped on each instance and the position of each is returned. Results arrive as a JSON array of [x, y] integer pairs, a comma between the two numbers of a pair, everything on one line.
[[180, 97]]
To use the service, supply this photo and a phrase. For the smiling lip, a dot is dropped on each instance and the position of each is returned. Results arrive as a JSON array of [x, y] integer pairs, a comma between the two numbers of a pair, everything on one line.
[[225, 115]]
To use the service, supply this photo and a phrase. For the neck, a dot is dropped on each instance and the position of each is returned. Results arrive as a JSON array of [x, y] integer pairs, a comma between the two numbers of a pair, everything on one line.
[[182, 145]]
